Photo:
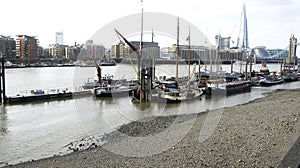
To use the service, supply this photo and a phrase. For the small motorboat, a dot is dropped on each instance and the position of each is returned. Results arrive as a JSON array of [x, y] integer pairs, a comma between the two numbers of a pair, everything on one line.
[[271, 80]]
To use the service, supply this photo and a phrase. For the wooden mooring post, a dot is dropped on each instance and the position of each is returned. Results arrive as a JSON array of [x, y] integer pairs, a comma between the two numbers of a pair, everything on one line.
[[2, 82], [146, 79]]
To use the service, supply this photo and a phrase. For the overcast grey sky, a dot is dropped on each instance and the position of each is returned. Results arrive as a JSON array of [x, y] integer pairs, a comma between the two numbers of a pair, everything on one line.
[[270, 22]]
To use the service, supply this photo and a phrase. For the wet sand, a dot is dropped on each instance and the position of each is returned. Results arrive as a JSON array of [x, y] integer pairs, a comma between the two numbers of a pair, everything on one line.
[[256, 134]]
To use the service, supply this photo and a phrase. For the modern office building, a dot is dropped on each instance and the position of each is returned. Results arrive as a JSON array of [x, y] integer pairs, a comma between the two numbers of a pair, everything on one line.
[[26, 47], [40, 52], [150, 49], [56, 51], [59, 38], [196, 52], [92, 51], [261, 53], [72, 52], [206, 53], [165, 53], [7, 46], [119, 50]]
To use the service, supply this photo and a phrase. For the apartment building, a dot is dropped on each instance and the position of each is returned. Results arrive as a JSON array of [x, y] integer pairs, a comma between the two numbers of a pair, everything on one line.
[[26, 47], [7, 46]]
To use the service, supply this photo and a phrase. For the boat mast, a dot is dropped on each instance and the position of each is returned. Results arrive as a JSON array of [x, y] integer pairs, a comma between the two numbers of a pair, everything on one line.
[[210, 59], [141, 44], [141, 54], [153, 57], [295, 51], [99, 72], [177, 49], [204, 56], [189, 57], [292, 51]]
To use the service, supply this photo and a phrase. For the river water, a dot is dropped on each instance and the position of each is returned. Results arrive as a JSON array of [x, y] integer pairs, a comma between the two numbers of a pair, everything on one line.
[[43, 129]]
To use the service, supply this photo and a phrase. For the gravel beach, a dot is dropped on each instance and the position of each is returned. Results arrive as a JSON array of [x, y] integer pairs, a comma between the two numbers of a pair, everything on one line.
[[256, 134]]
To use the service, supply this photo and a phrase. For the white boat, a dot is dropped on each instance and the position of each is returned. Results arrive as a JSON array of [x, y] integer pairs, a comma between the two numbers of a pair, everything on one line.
[[111, 91], [271, 80], [108, 62], [111, 88], [292, 76], [168, 91], [91, 83]]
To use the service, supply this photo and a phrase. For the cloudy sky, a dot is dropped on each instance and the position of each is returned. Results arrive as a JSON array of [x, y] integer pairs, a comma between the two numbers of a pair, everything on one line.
[[270, 22]]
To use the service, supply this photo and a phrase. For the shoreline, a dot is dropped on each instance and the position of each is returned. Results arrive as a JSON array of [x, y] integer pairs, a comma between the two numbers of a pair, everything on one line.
[[255, 134]]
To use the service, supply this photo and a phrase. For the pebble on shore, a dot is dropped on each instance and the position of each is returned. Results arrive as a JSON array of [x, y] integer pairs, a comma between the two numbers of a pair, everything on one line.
[[256, 134]]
